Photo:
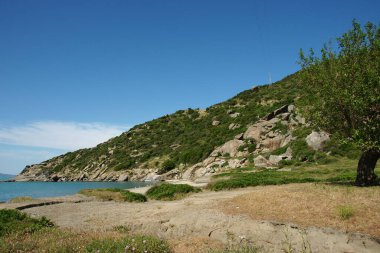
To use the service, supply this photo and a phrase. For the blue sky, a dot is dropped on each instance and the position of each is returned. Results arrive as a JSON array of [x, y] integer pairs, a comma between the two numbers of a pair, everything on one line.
[[74, 73]]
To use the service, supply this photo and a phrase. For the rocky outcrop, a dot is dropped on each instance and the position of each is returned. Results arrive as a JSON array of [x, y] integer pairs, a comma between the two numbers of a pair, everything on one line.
[[268, 134], [231, 148]]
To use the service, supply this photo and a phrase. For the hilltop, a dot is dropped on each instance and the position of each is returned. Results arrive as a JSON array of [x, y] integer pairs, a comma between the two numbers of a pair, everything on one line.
[[262, 127]]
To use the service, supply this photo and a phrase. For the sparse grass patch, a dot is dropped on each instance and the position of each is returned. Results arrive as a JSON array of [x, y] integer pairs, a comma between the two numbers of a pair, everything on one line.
[[129, 244], [59, 240], [345, 212], [21, 233], [21, 199], [114, 194], [14, 221], [167, 191], [341, 170]]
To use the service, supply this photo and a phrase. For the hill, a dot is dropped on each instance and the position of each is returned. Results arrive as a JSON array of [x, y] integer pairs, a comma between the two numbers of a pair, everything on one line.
[[6, 176], [242, 131]]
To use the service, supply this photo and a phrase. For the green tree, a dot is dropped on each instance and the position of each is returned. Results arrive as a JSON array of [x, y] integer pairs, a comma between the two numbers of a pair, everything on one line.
[[344, 90]]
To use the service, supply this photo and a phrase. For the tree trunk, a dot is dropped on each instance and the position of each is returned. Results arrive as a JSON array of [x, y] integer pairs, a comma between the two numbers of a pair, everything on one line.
[[366, 168]]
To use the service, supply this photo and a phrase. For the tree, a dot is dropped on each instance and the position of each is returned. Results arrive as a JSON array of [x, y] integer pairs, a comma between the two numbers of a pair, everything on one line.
[[344, 90]]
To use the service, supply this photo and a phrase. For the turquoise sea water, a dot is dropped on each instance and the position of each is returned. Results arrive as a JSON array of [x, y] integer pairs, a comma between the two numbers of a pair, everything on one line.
[[10, 190]]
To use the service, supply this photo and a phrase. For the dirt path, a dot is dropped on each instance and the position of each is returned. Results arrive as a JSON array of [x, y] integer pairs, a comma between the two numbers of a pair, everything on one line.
[[204, 217]]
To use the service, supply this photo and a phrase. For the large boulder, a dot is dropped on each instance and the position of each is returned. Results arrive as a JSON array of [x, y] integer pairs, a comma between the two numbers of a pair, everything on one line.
[[152, 177], [274, 143], [315, 140], [275, 159], [123, 178], [230, 147], [262, 162], [254, 132]]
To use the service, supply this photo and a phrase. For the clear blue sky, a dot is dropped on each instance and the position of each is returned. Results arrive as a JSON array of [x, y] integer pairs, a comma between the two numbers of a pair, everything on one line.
[[76, 72]]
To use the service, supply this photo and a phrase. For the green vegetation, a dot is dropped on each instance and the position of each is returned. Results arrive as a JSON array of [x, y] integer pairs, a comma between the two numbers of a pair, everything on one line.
[[337, 171], [184, 137], [21, 233], [344, 87], [13, 221], [170, 191], [346, 212], [114, 194], [168, 165], [129, 244]]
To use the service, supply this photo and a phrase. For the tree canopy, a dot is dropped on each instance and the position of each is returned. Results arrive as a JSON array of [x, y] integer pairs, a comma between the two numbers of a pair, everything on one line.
[[344, 88]]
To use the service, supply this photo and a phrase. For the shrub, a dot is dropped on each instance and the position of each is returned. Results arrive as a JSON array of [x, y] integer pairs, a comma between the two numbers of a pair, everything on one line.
[[345, 212], [168, 165], [14, 221], [167, 191]]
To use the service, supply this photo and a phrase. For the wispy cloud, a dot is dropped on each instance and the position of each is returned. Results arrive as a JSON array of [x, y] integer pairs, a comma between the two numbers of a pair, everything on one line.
[[60, 135]]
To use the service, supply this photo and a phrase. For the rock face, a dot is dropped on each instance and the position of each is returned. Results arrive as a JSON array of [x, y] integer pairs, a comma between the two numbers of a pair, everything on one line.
[[315, 140], [265, 134], [230, 148]]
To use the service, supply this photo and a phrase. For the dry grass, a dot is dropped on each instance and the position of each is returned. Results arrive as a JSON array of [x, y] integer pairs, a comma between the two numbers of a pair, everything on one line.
[[312, 205], [103, 195], [114, 194], [21, 199], [54, 240]]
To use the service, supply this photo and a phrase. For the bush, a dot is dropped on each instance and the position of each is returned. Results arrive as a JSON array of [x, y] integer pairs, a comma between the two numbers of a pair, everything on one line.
[[167, 191], [114, 194], [14, 221], [167, 166]]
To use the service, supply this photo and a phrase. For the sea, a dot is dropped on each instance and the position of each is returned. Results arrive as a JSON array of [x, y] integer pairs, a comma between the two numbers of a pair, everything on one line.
[[9, 190]]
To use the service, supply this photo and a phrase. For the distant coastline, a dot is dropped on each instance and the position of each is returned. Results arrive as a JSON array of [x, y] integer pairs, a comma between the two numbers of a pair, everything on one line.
[[6, 176]]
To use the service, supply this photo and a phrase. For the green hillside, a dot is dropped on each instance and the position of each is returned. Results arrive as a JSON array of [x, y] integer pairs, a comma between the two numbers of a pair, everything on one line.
[[183, 138]]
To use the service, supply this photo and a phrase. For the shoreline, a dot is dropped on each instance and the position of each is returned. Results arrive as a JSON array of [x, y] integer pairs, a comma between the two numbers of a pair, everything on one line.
[[138, 189]]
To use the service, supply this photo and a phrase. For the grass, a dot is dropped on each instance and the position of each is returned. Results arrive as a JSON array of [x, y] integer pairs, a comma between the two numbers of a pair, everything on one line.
[[343, 207], [12, 221], [114, 194], [170, 191], [21, 233], [21, 199], [129, 244], [345, 212], [341, 170]]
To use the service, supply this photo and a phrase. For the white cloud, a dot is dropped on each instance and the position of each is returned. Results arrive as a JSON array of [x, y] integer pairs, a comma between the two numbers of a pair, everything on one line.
[[60, 135]]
